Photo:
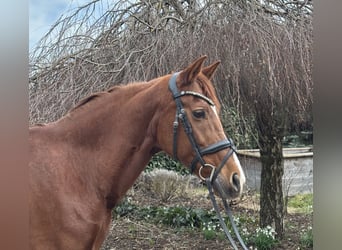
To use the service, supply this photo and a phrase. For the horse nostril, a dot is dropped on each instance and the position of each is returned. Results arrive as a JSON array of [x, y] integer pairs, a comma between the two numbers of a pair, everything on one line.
[[236, 182]]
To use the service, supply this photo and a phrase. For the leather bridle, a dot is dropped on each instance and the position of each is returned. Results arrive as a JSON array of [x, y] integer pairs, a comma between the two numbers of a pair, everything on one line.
[[200, 152]]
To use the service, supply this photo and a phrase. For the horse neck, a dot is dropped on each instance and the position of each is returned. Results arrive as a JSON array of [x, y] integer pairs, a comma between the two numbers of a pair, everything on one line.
[[118, 135]]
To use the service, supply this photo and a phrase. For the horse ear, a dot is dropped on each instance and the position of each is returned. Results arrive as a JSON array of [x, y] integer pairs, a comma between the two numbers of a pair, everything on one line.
[[210, 70], [190, 73]]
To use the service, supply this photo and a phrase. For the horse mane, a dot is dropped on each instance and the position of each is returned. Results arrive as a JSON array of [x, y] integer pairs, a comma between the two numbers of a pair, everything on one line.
[[87, 100], [208, 90], [99, 95], [92, 97]]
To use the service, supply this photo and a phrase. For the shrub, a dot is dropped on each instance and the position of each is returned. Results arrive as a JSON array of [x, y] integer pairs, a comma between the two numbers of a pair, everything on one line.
[[172, 216], [166, 184]]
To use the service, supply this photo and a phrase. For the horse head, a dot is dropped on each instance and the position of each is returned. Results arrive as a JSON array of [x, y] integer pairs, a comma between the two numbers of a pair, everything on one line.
[[190, 129]]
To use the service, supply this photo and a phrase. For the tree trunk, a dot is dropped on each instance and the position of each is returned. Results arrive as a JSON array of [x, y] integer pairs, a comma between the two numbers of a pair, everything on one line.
[[271, 192]]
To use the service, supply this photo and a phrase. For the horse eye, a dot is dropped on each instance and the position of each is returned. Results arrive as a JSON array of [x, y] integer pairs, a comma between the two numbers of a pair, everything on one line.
[[198, 114]]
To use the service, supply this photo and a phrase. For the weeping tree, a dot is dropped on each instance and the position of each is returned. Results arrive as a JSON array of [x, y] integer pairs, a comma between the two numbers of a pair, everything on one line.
[[276, 88], [271, 77], [265, 83]]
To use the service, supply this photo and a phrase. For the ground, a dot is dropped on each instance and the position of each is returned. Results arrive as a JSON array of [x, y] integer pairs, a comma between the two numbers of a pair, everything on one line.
[[128, 232]]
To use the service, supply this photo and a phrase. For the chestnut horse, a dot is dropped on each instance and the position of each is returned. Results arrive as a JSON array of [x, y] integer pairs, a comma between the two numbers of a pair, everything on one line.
[[83, 164]]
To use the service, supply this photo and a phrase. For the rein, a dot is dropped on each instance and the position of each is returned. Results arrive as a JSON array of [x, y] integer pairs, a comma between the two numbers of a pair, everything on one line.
[[200, 152]]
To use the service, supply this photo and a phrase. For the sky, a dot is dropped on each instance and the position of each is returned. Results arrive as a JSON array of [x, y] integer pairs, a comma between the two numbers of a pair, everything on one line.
[[44, 13]]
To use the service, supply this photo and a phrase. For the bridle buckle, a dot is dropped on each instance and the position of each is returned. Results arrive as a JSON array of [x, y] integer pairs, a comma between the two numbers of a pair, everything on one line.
[[211, 174]]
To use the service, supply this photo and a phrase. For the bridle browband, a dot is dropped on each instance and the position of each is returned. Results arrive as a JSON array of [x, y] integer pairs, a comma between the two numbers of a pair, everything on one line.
[[200, 152]]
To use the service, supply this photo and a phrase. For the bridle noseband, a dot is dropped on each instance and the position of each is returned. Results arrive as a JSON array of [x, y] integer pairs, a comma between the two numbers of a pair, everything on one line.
[[199, 152]]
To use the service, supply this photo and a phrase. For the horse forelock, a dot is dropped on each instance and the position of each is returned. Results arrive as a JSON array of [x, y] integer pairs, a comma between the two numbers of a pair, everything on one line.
[[208, 90]]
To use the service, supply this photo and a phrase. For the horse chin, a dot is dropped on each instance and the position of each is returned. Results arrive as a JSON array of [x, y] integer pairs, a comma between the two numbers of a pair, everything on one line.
[[222, 190]]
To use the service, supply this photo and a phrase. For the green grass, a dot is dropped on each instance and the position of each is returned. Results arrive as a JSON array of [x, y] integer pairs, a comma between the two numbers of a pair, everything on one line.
[[301, 203]]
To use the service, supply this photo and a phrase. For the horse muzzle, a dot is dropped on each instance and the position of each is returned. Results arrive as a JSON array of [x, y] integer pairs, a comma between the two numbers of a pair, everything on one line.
[[228, 190]]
